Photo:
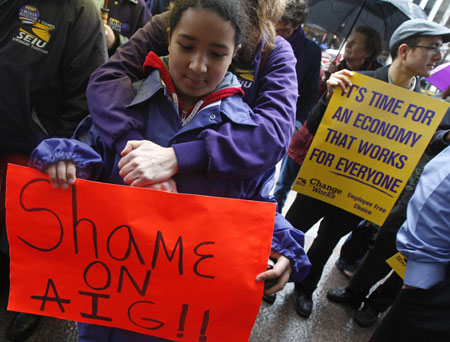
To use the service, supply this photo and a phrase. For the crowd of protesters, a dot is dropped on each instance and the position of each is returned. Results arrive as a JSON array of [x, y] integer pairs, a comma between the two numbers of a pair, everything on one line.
[[80, 63]]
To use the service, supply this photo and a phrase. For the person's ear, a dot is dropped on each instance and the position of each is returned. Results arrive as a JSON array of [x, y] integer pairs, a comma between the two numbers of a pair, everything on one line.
[[402, 50], [236, 49]]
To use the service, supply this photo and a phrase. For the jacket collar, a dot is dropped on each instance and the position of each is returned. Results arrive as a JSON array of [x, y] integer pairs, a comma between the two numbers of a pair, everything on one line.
[[222, 101], [152, 61], [298, 38], [383, 75]]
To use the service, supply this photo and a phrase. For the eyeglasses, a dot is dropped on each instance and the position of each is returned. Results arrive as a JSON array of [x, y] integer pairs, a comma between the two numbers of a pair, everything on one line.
[[435, 49]]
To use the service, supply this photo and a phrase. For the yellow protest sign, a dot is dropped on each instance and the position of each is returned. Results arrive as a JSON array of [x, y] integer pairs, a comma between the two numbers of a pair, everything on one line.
[[367, 145], [398, 264]]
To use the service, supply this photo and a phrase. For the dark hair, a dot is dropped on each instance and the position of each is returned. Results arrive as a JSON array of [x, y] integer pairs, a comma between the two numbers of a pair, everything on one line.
[[294, 12], [374, 44], [230, 10], [409, 40]]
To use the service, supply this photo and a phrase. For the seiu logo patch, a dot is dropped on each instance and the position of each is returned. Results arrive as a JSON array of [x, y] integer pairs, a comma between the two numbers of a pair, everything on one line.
[[28, 39], [34, 33], [245, 77]]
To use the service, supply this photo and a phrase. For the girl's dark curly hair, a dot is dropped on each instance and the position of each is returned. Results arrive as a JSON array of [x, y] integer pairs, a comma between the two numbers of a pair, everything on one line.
[[229, 10]]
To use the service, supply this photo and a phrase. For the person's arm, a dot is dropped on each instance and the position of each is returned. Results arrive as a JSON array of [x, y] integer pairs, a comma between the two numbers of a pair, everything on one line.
[[424, 238], [241, 153], [235, 155], [143, 16], [85, 51], [109, 89], [287, 248], [289, 242], [441, 138], [65, 159], [439, 141], [309, 85], [340, 79]]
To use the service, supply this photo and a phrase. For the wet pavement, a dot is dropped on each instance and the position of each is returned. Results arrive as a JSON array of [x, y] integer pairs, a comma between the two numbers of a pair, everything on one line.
[[279, 322], [328, 322]]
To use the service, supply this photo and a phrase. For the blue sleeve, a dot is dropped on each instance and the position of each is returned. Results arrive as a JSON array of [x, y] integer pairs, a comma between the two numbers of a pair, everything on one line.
[[424, 239], [88, 162], [289, 242]]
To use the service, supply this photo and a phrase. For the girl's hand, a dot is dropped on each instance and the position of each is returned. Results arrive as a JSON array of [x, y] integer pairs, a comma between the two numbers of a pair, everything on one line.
[[338, 79], [145, 163], [167, 186], [62, 174], [281, 270]]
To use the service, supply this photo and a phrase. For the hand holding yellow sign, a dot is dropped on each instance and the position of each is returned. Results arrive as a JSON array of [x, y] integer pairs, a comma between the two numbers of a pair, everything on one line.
[[367, 145], [398, 264]]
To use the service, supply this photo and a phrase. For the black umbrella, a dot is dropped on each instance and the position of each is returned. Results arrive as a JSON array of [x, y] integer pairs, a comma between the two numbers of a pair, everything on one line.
[[340, 16]]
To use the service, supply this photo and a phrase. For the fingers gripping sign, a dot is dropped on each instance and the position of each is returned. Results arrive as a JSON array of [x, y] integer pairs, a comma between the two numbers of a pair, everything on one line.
[[62, 174], [145, 163], [338, 79], [281, 270]]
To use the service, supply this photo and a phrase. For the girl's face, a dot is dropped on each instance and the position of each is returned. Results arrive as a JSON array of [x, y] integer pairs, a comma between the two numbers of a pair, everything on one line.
[[201, 49]]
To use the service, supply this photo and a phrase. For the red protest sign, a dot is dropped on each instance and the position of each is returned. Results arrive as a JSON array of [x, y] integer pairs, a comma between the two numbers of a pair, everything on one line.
[[176, 266]]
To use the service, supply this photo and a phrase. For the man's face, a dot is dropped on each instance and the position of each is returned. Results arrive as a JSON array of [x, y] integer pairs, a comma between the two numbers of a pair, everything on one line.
[[421, 59], [285, 30]]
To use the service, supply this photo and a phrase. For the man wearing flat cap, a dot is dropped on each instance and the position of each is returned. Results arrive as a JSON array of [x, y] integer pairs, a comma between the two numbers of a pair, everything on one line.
[[421, 311], [416, 48]]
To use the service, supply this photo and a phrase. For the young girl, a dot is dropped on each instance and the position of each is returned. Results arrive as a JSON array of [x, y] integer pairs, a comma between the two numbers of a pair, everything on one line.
[[187, 97], [265, 67]]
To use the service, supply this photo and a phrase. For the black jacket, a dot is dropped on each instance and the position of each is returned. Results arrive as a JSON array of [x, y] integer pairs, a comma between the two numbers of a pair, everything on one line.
[[48, 49]]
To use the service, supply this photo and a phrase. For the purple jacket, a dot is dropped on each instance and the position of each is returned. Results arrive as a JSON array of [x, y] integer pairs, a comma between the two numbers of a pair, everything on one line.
[[272, 95], [163, 126]]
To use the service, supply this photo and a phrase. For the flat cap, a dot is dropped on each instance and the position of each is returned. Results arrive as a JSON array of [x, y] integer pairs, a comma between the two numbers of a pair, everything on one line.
[[419, 27]]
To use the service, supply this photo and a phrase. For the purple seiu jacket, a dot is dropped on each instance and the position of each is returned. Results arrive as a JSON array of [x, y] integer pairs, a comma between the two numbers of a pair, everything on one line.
[[95, 160], [162, 125], [271, 93]]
